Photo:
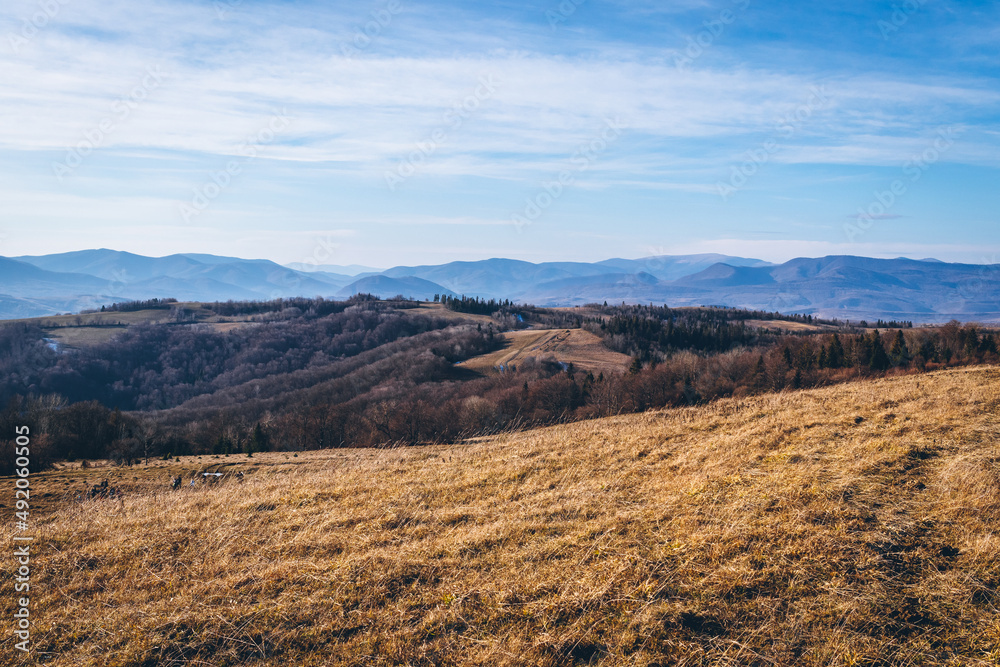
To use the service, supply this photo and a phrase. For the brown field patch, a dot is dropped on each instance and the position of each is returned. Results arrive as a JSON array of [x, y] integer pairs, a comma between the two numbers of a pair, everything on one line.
[[570, 346], [787, 325], [438, 310]]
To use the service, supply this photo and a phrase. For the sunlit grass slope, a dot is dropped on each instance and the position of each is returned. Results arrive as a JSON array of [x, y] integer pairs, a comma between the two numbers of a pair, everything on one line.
[[850, 525]]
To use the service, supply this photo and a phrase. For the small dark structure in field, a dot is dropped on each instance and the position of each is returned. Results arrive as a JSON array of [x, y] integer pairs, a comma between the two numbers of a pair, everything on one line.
[[104, 490]]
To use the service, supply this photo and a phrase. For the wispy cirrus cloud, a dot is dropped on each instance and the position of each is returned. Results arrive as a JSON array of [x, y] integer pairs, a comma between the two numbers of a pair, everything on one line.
[[357, 115], [364, 113], [884, 216]]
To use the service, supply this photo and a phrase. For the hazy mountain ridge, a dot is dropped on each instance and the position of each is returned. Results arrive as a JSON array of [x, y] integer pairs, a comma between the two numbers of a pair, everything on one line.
[[384, 285], [46, 284], [846, 287], [347, 271]]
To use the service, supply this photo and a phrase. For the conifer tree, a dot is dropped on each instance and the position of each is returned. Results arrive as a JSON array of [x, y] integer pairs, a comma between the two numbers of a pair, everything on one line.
[[636, 366], [899, 352], [878, 359], [835, 357]]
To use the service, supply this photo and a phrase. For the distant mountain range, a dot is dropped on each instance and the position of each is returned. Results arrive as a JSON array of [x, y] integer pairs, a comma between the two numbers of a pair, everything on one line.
[[844, 287], [349, 270]]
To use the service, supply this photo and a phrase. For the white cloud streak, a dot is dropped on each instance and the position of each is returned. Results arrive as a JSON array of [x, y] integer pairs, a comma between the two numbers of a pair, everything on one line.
[[364, 113]]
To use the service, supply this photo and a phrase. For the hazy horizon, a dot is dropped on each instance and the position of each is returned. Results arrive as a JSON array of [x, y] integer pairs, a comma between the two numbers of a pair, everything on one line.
[[311, 265]]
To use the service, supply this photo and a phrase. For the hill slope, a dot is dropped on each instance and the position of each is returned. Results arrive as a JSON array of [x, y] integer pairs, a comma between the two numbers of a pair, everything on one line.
[[850, 525]]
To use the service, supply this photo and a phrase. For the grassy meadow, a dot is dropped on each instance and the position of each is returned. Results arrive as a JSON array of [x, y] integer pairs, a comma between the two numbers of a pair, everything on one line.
[[856, 524]]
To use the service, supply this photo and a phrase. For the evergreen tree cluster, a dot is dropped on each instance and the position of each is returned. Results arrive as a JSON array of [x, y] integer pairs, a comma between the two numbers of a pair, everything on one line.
[[132, 306], [476, 305], [651, 338]]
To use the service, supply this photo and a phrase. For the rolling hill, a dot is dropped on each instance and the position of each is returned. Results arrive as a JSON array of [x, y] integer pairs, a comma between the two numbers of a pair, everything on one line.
[[848, 525]]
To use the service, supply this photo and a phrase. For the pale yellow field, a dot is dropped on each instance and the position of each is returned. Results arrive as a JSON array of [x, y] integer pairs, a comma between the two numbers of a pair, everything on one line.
[[438, 310], [850, 525], [788, 325], [581, 348]]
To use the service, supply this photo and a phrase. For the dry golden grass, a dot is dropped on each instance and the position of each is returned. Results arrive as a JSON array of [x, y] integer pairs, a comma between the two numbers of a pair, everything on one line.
[[438, 310], [73, 336], [849, 525], [52, 489], [789, 325], [581, 348]]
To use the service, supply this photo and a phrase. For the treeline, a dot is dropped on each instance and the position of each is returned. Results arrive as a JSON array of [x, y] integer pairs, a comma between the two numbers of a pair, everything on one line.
[[85, 430], [510, 315], [132, 306], [887, 324], [317, 307], [654, 333], [792, 317], [651, 338], [475, 305], [719, 312]]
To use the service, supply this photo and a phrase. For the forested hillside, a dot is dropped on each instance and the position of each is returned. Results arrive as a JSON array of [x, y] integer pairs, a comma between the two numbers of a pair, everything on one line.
[[307, 374]]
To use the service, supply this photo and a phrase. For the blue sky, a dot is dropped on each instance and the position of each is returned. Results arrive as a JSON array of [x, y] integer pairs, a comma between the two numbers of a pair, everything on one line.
[[400, 132]]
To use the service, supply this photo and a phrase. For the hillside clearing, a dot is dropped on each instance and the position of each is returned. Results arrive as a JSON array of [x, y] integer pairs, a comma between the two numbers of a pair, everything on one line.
[[570, 346], [438, 310], [90, 329], [848, 525], [791, 325]]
